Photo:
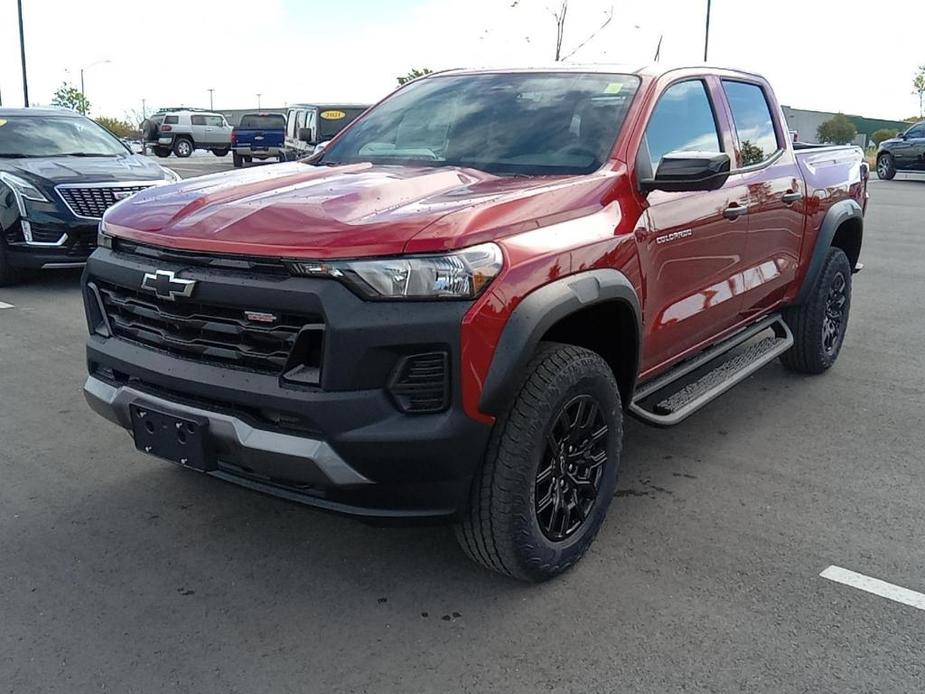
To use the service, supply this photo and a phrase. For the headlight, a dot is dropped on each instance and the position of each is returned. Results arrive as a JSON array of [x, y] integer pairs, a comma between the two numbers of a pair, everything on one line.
[[22, 188], [171, 175], [459, 275], [103, 240]]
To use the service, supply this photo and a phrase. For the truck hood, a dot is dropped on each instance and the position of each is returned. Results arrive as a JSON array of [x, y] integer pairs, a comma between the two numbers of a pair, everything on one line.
[[301, 211]]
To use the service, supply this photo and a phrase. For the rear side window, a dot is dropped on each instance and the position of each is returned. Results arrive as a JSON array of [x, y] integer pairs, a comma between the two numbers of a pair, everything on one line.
[[197, 120], [171, 120], [682, 121], [267, 121], [753, 122]]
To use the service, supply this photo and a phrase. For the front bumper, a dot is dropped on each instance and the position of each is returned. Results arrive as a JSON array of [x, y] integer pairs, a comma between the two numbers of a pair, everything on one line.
[[342, 445]]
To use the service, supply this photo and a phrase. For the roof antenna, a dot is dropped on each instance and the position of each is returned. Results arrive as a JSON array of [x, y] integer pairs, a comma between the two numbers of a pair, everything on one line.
[[658, 48]]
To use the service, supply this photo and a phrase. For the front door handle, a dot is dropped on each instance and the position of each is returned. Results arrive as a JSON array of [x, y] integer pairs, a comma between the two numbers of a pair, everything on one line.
[[791, 197], [735, 211]]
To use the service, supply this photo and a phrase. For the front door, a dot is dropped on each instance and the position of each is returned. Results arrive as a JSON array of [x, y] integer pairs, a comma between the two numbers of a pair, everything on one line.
[[776, 215], [692, 244], [910, 153]]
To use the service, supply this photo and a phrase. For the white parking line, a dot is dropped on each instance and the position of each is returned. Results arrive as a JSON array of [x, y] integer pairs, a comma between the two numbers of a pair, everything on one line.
[[3, 305], [875, 586]]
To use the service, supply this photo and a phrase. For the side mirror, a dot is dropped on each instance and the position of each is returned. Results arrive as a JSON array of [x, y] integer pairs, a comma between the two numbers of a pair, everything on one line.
[[689, 171], [321, 146], [901, 136], [307, 136]]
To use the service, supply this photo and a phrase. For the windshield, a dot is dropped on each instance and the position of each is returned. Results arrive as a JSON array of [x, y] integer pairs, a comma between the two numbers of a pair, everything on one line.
[[268, 121], [527, 123], [331, 120], [50, 136]]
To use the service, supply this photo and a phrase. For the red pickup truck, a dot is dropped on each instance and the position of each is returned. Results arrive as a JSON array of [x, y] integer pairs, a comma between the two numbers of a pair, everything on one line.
[[447, 313]]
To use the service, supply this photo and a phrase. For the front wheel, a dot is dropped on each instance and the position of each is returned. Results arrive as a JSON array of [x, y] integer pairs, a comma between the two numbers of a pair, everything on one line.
[[886, 167], [550, 470], [820, 322]]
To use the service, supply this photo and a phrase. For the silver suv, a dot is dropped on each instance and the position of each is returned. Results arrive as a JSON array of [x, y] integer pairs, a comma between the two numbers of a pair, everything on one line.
[[182, 132]]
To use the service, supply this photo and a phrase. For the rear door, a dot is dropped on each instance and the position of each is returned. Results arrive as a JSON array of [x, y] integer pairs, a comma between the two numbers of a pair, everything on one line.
[[198, 129], [768, 168], [693, 243]]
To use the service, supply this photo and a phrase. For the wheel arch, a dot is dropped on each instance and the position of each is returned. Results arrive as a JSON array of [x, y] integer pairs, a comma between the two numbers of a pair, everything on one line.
[[577, 310], [842, 227]]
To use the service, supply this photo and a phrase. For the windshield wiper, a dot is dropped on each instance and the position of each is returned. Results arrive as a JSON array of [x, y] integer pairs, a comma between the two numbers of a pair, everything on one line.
[[85, 154]]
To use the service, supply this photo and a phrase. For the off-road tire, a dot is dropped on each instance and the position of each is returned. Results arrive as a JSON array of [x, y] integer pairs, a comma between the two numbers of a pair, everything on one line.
[[237, 160], [807, 321], [183, 147], [162, 152], [886, 167], [501, 529]]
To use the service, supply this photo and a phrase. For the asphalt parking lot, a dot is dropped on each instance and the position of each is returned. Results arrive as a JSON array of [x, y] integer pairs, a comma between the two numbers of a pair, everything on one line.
[[120, 573]]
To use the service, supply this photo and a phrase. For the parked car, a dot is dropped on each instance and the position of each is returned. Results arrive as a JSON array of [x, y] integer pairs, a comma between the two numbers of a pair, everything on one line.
[[309, 125], [59, 172], [905, 152], [258, 136], [183, 132], [447, 312]]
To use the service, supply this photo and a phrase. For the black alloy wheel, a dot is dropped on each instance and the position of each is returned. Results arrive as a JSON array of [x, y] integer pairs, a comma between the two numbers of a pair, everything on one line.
[[567, 482]]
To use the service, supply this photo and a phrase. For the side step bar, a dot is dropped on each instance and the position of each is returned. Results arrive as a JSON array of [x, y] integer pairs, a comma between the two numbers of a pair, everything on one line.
[[695, 393]]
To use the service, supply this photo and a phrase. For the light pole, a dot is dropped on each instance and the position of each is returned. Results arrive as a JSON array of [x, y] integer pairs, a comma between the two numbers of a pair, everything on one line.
[[211, 107], [83, 106], [258, 101], [22, 53], [706, 38]]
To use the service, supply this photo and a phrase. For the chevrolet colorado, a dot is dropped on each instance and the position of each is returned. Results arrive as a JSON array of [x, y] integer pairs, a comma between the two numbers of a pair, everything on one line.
[[447, 312]]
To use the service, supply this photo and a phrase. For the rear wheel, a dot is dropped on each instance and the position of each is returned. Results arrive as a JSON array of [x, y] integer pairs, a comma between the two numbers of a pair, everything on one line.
[[819, 323], [550, 470], [886, 167], [183, 148], [237, 160]]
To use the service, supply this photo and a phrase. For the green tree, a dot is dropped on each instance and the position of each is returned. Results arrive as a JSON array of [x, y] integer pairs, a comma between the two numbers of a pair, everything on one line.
[[883, 134], [69, 96], [918, 88], [119, 128], [838, 130], [413, 75]]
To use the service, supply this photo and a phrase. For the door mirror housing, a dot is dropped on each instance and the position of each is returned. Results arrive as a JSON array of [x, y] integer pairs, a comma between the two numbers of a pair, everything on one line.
[[307, 136], [680, 172]]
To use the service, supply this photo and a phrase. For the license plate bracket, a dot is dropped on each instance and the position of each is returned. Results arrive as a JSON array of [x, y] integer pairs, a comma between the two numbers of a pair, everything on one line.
[[180, 439]]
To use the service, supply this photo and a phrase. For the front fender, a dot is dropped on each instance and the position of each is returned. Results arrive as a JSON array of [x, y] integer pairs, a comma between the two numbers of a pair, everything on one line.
[[536, 314]]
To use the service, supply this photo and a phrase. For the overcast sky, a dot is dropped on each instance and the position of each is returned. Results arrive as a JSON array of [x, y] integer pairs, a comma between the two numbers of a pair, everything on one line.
[[826, 55]]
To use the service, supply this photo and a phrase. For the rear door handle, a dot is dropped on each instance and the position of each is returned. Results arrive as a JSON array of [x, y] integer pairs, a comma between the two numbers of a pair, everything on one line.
[[735, 211], [791, 197]]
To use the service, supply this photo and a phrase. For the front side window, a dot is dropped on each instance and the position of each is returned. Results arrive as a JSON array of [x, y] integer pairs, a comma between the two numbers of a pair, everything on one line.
[[51, 136], [916, 131], [753, 122], [682, 121], [515, 123], [215, 121]]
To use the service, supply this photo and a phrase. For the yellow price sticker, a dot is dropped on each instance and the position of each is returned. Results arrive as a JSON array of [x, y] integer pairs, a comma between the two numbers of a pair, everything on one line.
[[332, 115], [614, 88], [2, 122]]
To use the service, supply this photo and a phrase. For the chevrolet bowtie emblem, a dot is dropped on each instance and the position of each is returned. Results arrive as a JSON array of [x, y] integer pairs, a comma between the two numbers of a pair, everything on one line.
[[166, 285]]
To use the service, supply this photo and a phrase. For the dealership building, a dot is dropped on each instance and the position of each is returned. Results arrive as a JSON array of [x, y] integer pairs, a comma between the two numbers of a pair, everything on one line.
[[806, 123]]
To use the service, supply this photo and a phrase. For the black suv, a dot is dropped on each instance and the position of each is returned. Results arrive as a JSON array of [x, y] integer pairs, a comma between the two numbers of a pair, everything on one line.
[[59, 172], [905, 152]]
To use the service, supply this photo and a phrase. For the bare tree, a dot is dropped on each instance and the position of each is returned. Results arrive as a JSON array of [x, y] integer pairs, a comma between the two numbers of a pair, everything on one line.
[[560, 14]]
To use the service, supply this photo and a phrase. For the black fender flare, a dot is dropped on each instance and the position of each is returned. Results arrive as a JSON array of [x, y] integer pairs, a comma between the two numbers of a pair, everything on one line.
[[837, 215], [536, 314]]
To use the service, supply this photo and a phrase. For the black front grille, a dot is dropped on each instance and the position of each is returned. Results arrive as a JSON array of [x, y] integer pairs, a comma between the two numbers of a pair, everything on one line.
[[219, 334], [421, 383], [93, 201]]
